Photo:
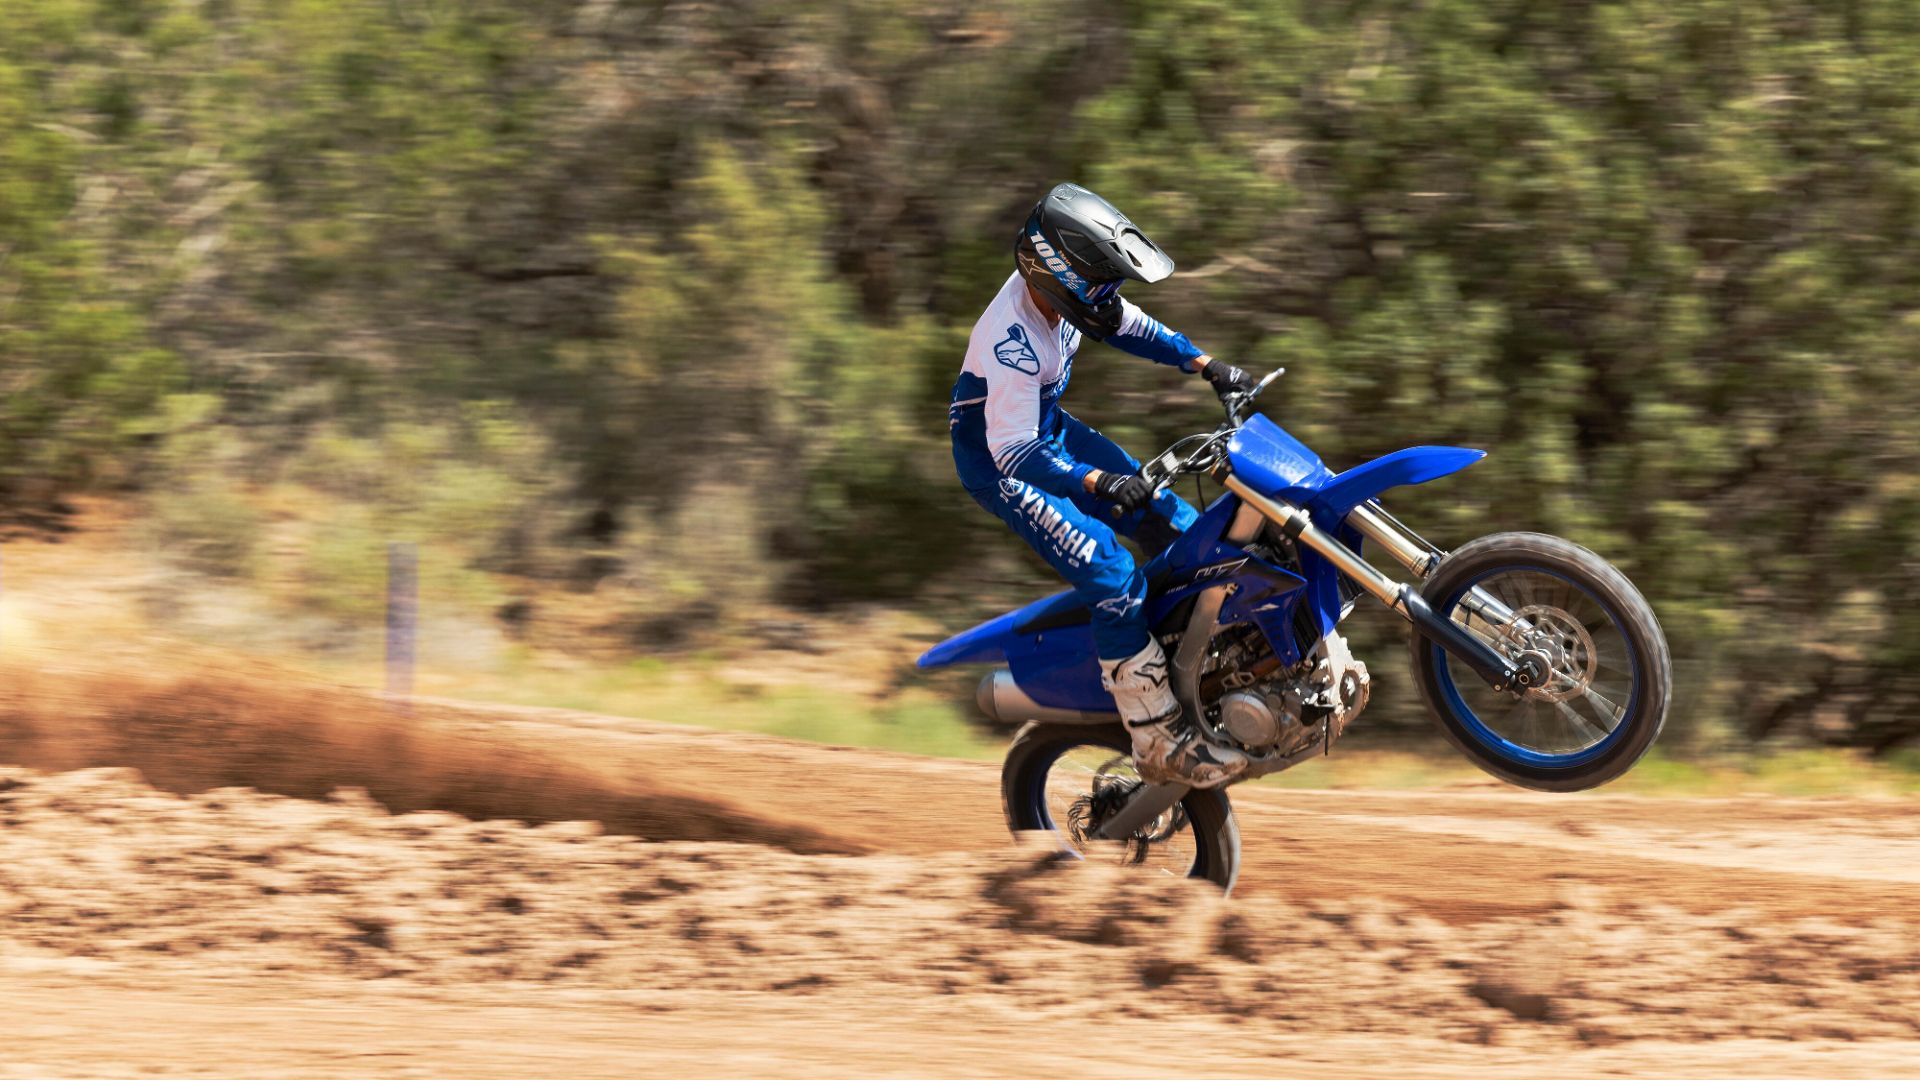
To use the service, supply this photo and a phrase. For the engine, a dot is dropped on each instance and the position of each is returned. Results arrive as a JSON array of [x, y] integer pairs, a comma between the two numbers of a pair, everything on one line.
[[1274, 710]]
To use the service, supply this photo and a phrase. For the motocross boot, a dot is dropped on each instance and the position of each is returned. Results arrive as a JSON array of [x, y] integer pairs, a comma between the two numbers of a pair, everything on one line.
[[1167, 747]]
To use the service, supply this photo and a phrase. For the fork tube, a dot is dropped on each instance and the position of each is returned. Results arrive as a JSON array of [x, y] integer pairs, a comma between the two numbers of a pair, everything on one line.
[[1406, 550], [1409, 551]]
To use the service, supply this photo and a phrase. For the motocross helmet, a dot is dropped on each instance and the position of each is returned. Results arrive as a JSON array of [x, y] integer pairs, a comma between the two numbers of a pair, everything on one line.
[[1077, 249]]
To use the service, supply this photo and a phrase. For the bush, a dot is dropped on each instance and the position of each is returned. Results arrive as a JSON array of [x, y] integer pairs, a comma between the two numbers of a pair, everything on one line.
[[208, 525]]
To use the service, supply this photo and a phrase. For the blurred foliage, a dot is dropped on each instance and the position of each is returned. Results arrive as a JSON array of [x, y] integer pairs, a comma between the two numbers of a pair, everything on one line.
[[707, 270], [202, 515]]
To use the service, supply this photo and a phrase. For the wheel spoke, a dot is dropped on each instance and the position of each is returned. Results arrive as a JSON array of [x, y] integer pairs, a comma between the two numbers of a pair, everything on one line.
[[1615, 713], [1517, 717], [1594, 731]]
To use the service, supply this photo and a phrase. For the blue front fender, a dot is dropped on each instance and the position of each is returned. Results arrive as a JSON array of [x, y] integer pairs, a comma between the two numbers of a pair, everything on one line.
[[1414, 465]]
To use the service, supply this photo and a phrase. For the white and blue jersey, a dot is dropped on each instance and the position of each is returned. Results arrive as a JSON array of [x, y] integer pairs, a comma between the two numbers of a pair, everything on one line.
[[1006, 404], [1025, 459]]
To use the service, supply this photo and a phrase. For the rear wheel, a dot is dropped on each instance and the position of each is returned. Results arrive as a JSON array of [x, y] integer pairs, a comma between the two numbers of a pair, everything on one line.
[[1605, 699], [1068, 778]]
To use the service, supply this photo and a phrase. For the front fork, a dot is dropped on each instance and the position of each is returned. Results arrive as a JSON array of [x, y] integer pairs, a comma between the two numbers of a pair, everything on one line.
[[1373, 522], [1296, 525]]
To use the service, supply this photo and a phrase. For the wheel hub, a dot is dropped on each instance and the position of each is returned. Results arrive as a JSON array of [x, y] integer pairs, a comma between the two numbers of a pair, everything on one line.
[[1564, 649]]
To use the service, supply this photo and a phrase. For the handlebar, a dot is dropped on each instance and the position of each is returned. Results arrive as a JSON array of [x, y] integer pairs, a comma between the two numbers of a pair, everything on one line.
[[1171, 464], [1247, 398]]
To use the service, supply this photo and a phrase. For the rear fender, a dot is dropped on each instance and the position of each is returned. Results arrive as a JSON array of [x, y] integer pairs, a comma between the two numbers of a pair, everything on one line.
[[1055, 666], [987, 643]]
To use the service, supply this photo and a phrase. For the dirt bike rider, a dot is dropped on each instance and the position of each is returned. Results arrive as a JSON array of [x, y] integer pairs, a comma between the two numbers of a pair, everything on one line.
[[1055, 481]]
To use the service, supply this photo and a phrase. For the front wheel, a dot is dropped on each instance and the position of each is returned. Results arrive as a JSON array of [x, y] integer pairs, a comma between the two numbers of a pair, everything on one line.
[[1065, 779], [1605, 701]]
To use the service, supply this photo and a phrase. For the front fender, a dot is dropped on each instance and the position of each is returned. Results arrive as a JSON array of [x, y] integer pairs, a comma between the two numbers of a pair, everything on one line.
[[1414, 465]]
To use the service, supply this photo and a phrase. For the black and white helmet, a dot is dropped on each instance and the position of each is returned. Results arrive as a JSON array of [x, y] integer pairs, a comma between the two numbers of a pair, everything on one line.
[[1077, 248]]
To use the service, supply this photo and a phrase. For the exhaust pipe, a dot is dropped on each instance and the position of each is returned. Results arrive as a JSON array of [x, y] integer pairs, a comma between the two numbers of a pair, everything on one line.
[[1004, 702]]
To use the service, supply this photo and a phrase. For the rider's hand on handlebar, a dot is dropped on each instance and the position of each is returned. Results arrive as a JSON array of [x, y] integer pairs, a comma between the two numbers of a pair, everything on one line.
[[1128, 491], [1226, 378]]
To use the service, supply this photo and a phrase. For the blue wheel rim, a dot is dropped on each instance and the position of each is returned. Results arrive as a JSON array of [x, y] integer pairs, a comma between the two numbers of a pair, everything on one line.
[[1501, 746]]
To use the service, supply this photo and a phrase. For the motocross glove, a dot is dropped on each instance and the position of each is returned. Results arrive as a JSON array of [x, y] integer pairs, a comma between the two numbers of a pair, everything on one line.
[[1226, 378], [1128, 491]]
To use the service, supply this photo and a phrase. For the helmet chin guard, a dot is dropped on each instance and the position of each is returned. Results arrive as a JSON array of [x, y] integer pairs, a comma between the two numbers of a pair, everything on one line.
[[1077, 249]]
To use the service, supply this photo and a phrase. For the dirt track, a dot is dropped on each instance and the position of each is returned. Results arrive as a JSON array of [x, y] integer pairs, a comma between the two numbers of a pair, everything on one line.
[[1459, 854], [1469, 931]]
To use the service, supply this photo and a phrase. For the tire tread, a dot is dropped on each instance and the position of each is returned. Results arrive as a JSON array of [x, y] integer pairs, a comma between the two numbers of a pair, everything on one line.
[[1036, 747]]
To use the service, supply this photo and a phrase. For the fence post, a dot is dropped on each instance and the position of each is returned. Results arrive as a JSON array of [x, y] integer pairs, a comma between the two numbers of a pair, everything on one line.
[[403, 609]]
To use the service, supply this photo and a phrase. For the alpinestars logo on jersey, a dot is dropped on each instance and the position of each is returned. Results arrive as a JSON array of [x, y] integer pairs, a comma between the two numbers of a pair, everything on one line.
[[1070, 541], [1017, 352]]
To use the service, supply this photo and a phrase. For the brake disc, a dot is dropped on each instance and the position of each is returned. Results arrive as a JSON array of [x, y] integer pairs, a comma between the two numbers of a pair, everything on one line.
[[1573, 661]]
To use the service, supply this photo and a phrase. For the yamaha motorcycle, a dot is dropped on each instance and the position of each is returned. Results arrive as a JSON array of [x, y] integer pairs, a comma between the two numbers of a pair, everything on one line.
[[1539, 661]]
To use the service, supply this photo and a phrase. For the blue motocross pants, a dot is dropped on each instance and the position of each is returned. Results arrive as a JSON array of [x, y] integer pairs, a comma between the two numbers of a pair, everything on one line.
[[1079, 536]]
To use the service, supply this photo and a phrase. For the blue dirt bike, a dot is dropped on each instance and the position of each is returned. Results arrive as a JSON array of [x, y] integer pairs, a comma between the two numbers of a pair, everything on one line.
[[1540, 662]]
